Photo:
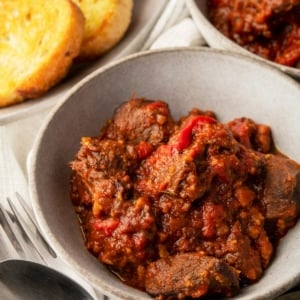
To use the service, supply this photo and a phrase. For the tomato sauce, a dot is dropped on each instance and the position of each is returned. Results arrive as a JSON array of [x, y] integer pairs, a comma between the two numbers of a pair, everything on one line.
[[183, 208], [268, 28]]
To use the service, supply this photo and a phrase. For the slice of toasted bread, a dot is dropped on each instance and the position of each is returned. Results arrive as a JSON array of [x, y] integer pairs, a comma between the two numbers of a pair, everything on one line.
[[106, 23], [38, 42]]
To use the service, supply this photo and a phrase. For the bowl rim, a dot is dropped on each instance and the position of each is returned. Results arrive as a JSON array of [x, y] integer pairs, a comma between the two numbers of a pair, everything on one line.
[[207, 29], [226, 52], [43, 224]]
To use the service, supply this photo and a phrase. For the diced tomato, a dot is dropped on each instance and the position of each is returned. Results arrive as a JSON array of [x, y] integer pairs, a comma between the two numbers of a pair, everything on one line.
[[108, 225], [185, 137], [156, 104], [144, 149]]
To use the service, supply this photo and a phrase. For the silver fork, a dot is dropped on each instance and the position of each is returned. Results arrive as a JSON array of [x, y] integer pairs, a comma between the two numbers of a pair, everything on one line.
[[23, 239], [21, 230]]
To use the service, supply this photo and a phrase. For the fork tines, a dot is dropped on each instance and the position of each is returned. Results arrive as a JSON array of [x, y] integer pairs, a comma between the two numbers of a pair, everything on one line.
[[23, 233]]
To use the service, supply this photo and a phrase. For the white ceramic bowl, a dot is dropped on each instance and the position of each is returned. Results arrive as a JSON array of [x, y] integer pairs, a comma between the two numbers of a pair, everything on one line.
[[216, 39], [230, 84]]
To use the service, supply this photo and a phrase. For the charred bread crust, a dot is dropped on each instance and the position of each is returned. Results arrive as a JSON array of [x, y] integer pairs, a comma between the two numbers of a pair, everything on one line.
[[39, 40]]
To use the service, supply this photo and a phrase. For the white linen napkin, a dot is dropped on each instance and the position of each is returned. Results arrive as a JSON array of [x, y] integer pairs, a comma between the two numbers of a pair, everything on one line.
[[12, 178], [182, 34]]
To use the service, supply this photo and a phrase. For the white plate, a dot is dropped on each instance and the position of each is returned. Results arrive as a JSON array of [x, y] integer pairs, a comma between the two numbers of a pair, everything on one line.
[[144, 17]]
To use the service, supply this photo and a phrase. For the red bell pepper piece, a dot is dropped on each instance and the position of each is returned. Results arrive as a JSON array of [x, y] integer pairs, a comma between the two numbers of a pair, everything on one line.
[[144, 149], [185, 137]]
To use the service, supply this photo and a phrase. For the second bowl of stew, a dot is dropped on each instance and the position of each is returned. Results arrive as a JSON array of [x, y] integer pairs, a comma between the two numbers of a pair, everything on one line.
[[266, 30]]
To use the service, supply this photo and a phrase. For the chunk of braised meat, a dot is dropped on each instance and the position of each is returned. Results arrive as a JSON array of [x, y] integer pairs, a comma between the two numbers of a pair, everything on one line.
[[100, 168], [247, 254], [142, 120], [171, 170], [190, 275], [252, 135], [167, 171], [281, 197]]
